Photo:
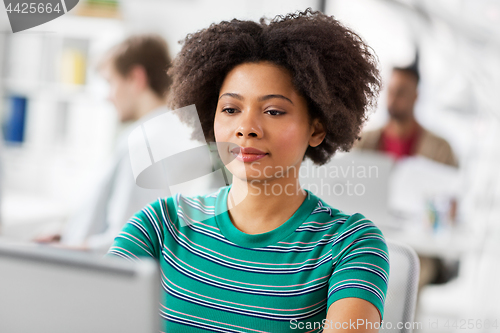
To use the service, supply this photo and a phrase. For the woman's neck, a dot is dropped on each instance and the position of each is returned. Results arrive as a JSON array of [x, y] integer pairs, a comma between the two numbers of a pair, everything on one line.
[[261, 206]]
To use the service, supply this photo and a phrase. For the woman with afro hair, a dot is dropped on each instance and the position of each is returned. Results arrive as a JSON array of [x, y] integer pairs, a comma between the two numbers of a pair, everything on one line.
[[263, 254]]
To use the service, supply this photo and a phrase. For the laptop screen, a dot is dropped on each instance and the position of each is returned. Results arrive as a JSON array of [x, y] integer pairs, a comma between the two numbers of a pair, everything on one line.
[[52, 290]]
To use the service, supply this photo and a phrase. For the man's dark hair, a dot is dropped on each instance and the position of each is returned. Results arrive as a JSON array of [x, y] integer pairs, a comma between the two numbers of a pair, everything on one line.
[[148, 51], [330, 65], [411, 69]]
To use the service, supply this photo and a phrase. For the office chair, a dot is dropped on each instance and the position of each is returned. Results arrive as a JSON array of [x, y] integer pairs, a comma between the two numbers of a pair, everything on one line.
[[402, 290]]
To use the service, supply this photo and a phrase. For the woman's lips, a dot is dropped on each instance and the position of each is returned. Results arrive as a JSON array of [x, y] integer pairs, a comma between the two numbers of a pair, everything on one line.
[[247, 154], [249, 157]]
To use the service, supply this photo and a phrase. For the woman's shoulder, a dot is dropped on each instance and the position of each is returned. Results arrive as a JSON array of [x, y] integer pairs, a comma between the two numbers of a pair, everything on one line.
[[170, 207], [325, 211], [341, 221], [193, 208], [199, 200]]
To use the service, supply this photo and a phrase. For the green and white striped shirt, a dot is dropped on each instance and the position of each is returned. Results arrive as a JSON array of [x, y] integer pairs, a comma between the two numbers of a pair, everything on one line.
[[217, 278]]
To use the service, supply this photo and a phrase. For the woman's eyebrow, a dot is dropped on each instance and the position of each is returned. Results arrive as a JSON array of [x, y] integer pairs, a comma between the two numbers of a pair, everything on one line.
[[237, 96], [263, 98]]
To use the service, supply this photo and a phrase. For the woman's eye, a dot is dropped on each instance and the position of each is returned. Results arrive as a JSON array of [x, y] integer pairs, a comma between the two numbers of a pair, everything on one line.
[[229, 110], [275, 112]]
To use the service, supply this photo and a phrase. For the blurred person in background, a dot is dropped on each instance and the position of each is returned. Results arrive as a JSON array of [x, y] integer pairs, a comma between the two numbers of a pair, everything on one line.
[[403, 136], [136, 72]]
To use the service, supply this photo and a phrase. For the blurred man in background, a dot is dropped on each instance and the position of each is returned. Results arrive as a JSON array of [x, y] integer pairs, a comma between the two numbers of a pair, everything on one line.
[[136, 73], [403, 135]]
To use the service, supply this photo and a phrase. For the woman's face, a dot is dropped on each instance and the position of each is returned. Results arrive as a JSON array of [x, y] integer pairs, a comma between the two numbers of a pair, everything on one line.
[[260, 109]]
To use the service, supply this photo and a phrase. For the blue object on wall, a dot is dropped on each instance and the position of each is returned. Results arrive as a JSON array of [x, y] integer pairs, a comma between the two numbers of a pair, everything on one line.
[[14, 127]]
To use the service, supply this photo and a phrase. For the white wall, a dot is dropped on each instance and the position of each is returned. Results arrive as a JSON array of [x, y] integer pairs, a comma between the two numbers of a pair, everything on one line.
[[175, 19]]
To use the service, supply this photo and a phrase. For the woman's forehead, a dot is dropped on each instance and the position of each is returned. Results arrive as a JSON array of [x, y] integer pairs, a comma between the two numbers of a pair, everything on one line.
[[258, 79]]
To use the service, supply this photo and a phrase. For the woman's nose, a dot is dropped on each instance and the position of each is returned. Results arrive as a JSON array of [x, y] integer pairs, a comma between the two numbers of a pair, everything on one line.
[[249, 126]]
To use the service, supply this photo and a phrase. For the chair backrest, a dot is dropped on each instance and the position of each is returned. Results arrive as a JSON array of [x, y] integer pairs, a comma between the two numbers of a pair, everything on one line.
[[402, 290]]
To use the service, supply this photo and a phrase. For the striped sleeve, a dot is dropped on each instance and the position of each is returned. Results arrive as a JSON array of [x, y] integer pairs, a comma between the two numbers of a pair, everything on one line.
[[360, 263], [143, 235]]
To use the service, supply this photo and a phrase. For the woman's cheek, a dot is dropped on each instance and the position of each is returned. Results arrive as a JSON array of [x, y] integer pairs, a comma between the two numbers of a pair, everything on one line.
[[292, 137], [220, 131]]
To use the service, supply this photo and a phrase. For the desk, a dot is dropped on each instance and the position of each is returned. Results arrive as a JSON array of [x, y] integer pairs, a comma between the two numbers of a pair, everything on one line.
[[451, 245], [26, 216]]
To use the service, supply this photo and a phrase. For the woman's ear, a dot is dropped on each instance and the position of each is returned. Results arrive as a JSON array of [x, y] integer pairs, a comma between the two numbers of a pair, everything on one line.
[[318, 133]]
